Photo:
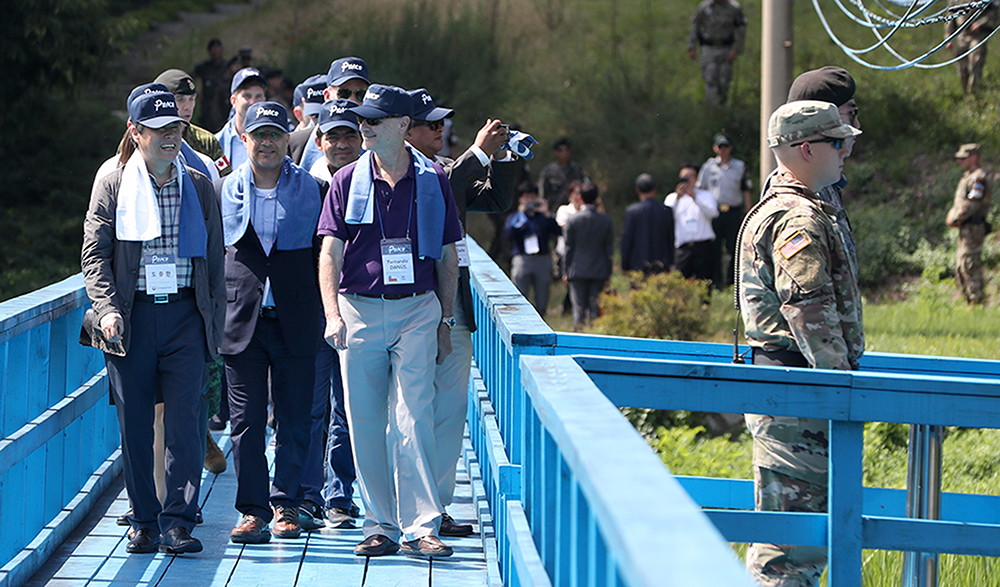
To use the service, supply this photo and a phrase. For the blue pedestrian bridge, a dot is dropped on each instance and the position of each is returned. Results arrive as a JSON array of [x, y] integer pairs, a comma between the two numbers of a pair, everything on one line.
[[563, 491]]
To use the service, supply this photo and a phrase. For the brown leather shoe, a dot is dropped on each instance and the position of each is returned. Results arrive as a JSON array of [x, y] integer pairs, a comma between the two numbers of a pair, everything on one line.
[[215, 459], [376, 545], [286, 522], [451, 528], [427, 546], [250, 530]]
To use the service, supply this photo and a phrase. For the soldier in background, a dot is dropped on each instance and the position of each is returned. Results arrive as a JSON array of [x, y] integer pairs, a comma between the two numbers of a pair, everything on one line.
[[718, 27], [970, 68], [968, 215], [801, 306]]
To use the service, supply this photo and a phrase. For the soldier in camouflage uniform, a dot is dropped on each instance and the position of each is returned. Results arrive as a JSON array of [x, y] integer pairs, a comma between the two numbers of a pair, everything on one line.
[[970, 68], [968, 215], [718, 27], [799, 298], [182, 87]]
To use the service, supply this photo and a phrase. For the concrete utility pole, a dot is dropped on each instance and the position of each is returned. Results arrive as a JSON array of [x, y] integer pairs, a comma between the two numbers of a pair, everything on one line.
[[775, 70]]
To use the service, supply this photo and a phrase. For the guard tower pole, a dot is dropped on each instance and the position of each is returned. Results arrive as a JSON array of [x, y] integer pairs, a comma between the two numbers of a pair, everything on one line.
[[775, 70]]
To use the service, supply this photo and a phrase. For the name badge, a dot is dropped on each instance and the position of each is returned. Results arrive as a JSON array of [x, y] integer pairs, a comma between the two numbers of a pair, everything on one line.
[[462, 248], [161, 273], [397, 261], [531, 245]]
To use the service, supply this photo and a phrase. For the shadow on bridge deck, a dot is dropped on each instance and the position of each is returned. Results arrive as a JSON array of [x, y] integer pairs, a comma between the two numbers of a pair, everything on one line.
[[94, 555]]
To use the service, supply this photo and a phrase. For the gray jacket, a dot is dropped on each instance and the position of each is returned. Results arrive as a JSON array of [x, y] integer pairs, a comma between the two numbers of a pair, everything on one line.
[[111, 267]]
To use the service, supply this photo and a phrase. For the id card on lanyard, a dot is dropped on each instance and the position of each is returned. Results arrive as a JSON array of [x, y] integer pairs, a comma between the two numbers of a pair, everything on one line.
[[397, 261], [462, 248], [161, 273]]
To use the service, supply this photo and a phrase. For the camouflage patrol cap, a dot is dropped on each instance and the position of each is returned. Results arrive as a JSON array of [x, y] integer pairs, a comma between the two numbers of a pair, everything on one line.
[[967, 150], [801, 119]]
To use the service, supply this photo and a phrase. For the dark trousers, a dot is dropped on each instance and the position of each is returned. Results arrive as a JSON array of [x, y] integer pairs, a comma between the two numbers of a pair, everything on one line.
[[329, 447], [167, 352], [697, 260], [726, 227], [292, 381], [585, 294]]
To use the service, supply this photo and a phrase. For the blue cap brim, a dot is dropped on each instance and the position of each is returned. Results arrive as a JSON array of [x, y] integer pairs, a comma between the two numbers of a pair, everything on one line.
[[161, 121], [312, 108], [372, 112], [325, 128], [438, 114]]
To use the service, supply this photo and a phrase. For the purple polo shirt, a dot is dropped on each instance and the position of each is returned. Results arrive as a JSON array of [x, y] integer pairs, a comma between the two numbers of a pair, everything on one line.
[[362, 272]]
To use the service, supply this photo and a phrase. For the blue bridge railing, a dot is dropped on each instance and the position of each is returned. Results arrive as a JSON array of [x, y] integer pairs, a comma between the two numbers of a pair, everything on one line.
[[575, 495]]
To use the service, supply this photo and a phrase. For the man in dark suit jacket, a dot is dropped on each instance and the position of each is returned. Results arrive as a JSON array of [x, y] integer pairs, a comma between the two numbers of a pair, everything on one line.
[[648, 236], [480, 184], [270, 210], [589, 242]]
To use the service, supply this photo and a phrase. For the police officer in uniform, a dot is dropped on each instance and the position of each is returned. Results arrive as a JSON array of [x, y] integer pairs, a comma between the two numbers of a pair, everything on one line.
[[718, 27], [799, 298], [968, 215]]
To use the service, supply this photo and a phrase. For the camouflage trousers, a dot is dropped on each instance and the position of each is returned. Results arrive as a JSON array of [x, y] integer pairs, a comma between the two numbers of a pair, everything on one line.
[[782, 565], [213, 395], [969, 269], [970, 68], [717, 71]]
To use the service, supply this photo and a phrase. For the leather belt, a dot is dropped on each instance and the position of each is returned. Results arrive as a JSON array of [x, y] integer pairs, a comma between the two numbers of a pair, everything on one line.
[[182, 294], [393, 296], [269, 312]]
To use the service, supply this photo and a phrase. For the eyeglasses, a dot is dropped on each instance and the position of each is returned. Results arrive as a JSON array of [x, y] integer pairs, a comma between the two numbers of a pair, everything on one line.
[[434, 126], [837, 143], [373, 121], [345, 94]]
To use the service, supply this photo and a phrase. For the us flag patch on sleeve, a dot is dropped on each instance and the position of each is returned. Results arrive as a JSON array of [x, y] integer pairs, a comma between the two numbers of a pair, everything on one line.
[[794, 244]]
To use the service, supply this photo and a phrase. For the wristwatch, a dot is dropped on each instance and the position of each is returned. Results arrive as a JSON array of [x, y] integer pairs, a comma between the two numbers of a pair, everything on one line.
[[449, 321]]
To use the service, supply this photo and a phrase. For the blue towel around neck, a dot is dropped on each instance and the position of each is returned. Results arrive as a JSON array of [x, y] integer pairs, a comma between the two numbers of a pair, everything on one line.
[[192, 160], [192, 235], [430, 202], [299, 203]]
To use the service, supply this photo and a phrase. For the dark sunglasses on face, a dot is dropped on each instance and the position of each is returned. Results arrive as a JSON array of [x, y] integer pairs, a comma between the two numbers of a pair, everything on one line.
[[837, 143], [345, 94], [435, 126], [372, 121]]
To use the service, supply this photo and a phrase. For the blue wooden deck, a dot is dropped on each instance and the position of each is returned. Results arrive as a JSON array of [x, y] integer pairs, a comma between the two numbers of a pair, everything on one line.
[[94, 554]]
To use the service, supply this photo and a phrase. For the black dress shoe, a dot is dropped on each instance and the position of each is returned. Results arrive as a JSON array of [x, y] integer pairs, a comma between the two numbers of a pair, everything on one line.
[[122, 520], [178, 540], [144, 540], [216, 423]]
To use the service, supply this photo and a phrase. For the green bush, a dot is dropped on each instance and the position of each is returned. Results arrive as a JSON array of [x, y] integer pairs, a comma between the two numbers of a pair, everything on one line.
[[665, 306]]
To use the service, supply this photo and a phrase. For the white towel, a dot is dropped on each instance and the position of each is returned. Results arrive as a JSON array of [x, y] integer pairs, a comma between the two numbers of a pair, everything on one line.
[[137, 217]]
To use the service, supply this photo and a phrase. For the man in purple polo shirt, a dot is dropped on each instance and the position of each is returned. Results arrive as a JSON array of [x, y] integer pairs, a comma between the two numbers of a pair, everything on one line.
[[389, 225]]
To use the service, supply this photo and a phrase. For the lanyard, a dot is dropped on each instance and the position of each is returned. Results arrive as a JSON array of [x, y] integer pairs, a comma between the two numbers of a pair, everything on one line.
[[409, 218]]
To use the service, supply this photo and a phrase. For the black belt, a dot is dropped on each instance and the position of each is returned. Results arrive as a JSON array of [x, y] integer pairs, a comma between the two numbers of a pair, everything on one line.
[[691, 244], [182, 294], [393, 296], [269, 312], [708, 43], [780, 357]]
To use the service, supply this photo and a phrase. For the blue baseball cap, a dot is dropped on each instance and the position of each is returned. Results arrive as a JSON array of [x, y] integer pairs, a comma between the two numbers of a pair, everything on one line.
[[424, 109], [266, 114], [247, 74], [347, 68], [337, 113], [311, 91], [383, 101], [144, 89], [155, 110]]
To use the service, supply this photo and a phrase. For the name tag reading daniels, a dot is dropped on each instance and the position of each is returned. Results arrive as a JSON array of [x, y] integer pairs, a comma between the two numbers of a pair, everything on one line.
[[161, 274], [397, 261], [462, 248]]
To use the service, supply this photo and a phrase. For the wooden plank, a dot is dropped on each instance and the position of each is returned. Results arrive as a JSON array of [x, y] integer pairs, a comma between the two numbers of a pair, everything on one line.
[[672, 542], [773, 527], [844, 533], [20, 314], [527, 566], [932, 536]]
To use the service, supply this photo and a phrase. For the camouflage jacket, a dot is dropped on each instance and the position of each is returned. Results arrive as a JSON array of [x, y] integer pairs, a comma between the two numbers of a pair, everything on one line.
[[718, 23], [798, 290], [972, 198], [985, 24], [205, 142]]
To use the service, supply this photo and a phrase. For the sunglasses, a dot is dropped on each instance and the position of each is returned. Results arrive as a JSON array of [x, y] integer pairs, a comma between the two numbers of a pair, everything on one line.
[[262, 134], [435, 126], [345, 94], [837, 143], [373, 121]]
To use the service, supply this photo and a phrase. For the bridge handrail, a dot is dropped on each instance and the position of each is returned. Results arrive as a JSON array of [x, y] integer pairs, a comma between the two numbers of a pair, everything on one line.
[[58, 435], [576, 532]]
